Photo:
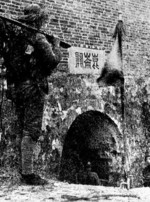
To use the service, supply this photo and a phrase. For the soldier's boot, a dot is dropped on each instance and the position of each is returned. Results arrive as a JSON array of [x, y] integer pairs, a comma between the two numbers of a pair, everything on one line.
[[33, 179], [28, 177]]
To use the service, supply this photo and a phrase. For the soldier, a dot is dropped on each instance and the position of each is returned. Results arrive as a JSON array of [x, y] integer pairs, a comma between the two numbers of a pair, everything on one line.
[[146, 171], [29, 58], [91, 178]]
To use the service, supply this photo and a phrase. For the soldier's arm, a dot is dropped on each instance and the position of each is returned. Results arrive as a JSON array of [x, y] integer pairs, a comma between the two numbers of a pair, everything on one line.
[[97, 180], [49, 53]]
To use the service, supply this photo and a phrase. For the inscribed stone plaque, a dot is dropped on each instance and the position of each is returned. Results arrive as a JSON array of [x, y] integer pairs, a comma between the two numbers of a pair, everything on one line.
[[85, 61]]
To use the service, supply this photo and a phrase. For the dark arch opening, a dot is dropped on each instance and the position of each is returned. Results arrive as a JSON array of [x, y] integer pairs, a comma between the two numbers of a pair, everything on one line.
[[91, 137]]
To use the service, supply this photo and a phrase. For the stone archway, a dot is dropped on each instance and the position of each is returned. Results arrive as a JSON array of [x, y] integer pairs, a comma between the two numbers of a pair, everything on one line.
[[93, 136]]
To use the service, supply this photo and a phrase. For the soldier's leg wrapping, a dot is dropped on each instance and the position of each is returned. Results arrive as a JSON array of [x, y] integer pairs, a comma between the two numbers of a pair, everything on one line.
[[32, 130], [27, 146], [18, 129]]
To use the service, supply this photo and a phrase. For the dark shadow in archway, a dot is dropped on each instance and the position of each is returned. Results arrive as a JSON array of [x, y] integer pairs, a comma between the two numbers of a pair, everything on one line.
[[91, 137]]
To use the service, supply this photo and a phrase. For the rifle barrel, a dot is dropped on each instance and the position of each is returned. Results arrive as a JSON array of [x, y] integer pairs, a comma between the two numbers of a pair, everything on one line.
[[16, 22]]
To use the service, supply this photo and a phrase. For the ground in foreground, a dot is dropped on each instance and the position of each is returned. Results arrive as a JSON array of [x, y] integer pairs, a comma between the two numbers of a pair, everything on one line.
[[59, 191]]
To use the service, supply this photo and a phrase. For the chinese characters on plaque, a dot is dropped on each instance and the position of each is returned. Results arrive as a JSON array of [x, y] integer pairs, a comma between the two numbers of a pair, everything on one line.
[[85, 61]]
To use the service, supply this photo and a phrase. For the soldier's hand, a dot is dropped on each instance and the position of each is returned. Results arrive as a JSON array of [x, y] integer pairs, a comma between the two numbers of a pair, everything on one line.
[[41, 138], [56, 42]]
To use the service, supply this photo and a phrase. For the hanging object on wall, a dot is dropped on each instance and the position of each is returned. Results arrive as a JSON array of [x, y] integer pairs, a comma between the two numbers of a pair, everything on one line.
[[112, 73], [85, 60]]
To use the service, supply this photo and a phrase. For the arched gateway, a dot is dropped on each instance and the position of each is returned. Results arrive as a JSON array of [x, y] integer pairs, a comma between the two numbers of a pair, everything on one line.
[[93, 136]]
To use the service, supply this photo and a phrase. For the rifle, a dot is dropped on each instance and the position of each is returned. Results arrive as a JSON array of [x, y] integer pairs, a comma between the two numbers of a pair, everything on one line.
[[32, 29]]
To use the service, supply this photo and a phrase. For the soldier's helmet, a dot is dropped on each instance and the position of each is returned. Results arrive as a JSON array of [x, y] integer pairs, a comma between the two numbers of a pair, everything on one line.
[[34, 15], [88, 165]]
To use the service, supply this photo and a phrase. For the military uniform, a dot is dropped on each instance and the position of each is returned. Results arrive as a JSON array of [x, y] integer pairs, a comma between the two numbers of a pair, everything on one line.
[[89, 177], [146, 176], [29, 58]]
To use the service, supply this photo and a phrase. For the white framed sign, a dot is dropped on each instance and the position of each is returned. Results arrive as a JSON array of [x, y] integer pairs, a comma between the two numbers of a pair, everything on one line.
[[85, 61]]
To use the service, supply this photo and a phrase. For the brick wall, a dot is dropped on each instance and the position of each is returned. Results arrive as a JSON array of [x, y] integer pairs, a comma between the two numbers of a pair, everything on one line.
[[90, 24]]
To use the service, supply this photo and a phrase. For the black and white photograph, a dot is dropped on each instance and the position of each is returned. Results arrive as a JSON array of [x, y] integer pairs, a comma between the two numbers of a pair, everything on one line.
[[74, 100]]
